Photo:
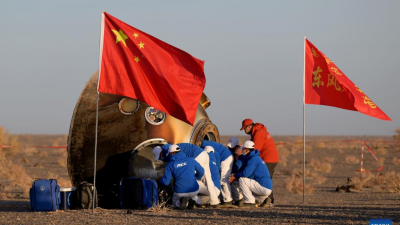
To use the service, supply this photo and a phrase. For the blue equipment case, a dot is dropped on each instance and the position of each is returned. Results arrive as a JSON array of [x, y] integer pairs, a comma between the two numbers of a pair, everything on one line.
[[138, 193], [44, 195]]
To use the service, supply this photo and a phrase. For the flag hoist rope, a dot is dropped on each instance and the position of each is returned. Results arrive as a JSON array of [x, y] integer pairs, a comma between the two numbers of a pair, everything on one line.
[[304, 120], [97, 110]]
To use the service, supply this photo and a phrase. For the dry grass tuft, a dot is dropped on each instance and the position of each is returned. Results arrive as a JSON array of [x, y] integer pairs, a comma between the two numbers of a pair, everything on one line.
[[320, 144], [160, 207], [328, 160], [284, 153], [62, 162], [382, 182], [298, 148], [295, 185], [381, 151], [381, 161], [396, 161], [30, 151], [352, 159], [284, 171], [24, 160], [38, 165], [397, 136], [319, 179], [42, 154], [16, 175], [340, 150], [61, 180], [299, 173], [320, 166]]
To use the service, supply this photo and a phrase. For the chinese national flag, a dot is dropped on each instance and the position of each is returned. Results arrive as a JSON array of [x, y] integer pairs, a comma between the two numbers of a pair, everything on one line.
[[326, 84], [137, 65]]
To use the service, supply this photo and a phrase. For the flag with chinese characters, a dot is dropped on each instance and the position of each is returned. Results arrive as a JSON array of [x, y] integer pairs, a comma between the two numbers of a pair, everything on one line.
[[326, 84], [137, 65]]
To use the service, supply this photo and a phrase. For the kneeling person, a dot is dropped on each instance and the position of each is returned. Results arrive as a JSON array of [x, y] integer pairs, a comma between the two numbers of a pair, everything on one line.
[[185, 171], [198, 154], [254, 179], [214, 175]]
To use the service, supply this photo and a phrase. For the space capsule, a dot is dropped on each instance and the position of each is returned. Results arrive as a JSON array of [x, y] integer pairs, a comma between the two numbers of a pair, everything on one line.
[[128, 130]]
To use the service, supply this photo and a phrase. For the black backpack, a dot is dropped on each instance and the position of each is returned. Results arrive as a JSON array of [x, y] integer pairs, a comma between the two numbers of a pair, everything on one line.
[[84, 196]]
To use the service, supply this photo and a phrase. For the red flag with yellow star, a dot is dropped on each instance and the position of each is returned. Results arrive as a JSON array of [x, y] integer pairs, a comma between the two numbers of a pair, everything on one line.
[[137, 65], [326, 84]]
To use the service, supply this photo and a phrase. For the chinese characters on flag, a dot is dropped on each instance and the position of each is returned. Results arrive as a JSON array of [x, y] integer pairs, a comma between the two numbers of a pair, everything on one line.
[[137, 65], [326, 84]]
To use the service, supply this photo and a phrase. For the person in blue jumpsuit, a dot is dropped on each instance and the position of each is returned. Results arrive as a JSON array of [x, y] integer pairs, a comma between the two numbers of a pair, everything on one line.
[[185, 171], [225, 159], [254, 179], [193, 151]]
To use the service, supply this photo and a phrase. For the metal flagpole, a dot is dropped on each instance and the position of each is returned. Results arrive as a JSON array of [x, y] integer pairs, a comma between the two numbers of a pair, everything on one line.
[[97, 111], [304, 122], [95, 151]]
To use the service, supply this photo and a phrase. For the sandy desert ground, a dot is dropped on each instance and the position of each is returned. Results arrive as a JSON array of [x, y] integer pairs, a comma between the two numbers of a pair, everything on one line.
[[329, 164]]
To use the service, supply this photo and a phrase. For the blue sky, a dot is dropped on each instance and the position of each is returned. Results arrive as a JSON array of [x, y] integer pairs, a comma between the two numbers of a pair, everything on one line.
[[253, 52]]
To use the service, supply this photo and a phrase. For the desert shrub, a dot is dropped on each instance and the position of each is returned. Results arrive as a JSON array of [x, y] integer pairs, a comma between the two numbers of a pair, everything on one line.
[[284, 153], [381, 161], [299, 173], [30, 151], [382, 182], [298, 148], [352, 159], [62, 162], [397, 136], [319, 179], [64, 182], [16, 175], [43, 154], [7, 139], [320, 166], [61, 180], [295, 185], [320, 144], [381, 151], [283, 172], [24, 160], [396, 161], [340, 150], [160, 207], [328, 159]]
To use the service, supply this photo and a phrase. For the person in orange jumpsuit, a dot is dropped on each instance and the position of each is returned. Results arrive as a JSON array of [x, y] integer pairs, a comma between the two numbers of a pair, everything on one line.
[[264, 142]]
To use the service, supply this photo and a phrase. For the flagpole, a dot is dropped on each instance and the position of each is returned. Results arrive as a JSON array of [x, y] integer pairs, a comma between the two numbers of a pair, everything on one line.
[[304, 122], [97, 111]]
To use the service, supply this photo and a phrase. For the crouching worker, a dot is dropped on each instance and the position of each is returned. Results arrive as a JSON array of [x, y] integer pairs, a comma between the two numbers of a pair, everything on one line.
[[214, 174], [254, 179], [224, 158], [185, 171], [198, 154]]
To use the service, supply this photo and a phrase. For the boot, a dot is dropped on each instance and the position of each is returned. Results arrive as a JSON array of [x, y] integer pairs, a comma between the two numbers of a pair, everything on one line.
[[191, 204], [266, 203], [239, 203], [184, 202]]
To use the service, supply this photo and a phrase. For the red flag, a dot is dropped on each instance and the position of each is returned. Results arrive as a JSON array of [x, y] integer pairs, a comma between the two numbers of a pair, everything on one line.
[[326, 84], [137, 65]]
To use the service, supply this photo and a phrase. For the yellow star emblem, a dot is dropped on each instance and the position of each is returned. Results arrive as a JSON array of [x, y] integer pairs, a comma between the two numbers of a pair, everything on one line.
[[120, 36], [137, 59], [136, 35], [141, 45]]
